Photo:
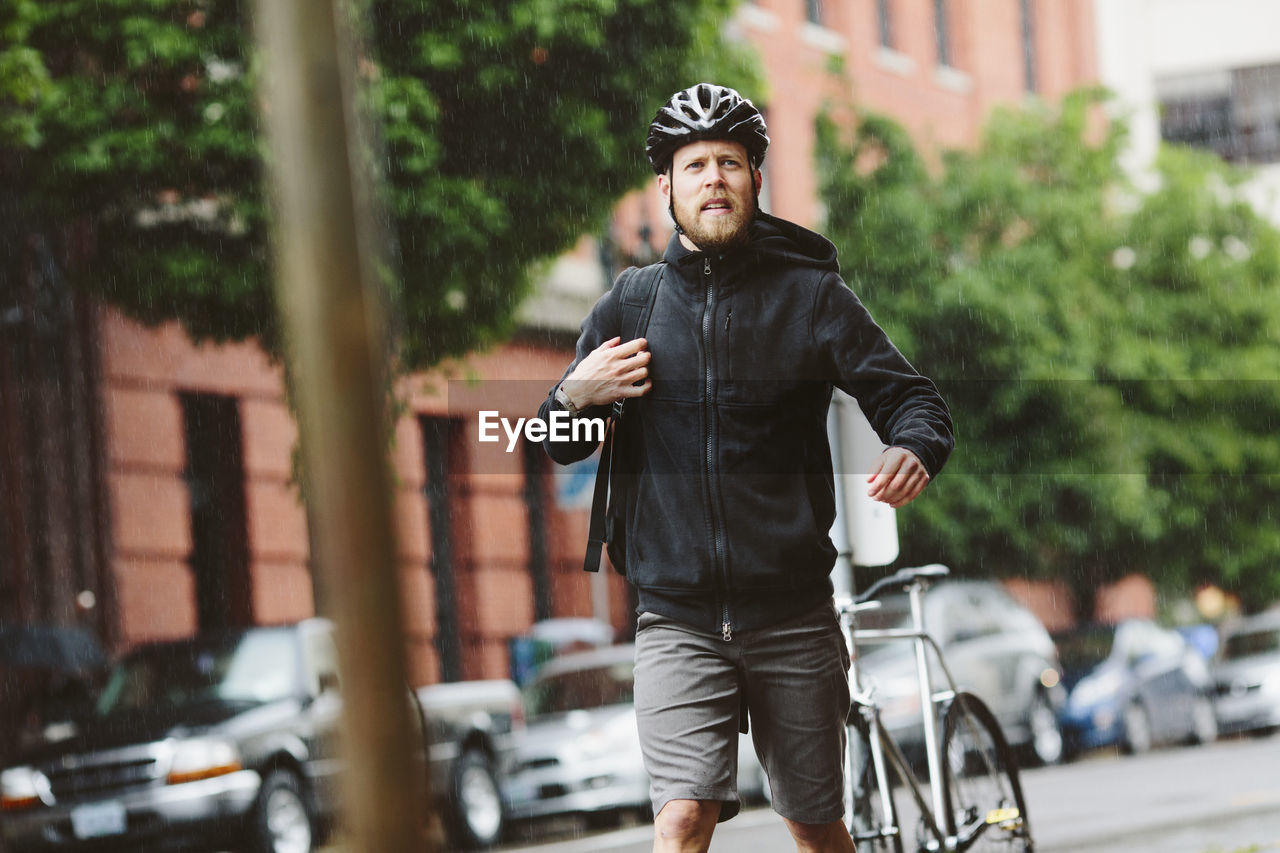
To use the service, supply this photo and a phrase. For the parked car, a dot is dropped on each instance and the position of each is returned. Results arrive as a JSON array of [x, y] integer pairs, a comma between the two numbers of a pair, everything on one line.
[[1134, 685], [471, 729], [993, 647], [1246, 675], [227, 738], [46, 672], [580, 751]]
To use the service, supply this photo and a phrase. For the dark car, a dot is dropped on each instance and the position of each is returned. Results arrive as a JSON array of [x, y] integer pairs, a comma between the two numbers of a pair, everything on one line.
[[46, 672], [1133, 685], [993, 647], [1246, 674], [224, 740], [471, 728]]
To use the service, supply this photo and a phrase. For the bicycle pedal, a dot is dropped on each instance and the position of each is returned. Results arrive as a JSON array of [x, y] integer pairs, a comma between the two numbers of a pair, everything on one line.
[[1007, 818]]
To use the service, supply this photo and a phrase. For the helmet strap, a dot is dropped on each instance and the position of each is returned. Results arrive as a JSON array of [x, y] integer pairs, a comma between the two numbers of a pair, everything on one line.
[[671, 198]]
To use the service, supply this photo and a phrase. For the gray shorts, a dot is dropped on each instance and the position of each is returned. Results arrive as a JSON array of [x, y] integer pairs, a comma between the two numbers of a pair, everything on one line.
[[690, 688]]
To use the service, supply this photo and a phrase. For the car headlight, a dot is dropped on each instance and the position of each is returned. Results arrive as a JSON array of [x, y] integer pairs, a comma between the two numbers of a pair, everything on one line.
[[22, 788], [202, 758]]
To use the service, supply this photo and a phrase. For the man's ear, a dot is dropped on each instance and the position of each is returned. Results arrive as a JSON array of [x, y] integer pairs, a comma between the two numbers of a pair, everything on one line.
[[758, 177], [664, 185]]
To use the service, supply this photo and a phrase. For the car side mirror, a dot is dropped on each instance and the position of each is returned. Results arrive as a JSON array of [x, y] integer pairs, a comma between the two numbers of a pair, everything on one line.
[[328, 682]]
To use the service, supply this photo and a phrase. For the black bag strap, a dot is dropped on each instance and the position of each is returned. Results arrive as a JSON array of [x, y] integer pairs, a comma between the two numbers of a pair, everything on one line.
[[636, 296]]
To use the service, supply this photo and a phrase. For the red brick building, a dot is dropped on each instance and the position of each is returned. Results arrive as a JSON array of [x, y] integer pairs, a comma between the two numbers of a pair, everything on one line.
[[164, 498]]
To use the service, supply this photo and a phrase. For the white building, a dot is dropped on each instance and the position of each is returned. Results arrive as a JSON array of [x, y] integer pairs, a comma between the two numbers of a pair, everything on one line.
[[1201, 72]]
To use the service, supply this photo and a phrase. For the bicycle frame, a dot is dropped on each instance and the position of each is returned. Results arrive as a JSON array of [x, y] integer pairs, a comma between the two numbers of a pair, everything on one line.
[[865, 703]]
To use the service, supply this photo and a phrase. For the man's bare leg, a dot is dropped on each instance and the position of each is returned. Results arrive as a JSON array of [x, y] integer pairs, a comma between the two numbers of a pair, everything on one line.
[[685, 826], [820, 837]]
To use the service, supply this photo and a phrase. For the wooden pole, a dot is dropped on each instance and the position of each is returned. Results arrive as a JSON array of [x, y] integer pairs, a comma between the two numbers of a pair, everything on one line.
[[334, 330]]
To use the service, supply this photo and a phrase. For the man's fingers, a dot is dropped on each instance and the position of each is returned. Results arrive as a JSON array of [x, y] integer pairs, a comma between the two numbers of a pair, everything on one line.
[[897, 477], [631, 347], [903, 493]]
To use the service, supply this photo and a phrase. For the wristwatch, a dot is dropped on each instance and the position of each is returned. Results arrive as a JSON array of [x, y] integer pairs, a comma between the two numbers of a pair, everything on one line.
[[563, 399]]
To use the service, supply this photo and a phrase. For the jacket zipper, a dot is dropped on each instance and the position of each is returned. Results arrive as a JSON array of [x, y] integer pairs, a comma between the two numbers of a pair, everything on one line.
[[726, 624]]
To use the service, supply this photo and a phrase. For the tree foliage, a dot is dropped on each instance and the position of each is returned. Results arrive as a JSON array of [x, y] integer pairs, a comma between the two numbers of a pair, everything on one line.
[[1110, 355], [508, 129]]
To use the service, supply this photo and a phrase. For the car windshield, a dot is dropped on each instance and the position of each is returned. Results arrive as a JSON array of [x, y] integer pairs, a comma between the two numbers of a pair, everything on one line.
[[1249, 643], [260, 666], [581, 689], [1081, 651]]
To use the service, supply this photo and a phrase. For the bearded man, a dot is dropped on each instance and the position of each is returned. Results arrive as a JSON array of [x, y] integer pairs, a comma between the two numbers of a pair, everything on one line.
[[727, 539]]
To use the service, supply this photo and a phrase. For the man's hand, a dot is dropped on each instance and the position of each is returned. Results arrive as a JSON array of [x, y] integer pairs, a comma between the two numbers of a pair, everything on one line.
[[609, 373], [897, 477]]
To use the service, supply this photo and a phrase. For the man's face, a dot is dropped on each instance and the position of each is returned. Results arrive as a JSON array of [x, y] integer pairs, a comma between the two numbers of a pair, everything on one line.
[[712, 190]]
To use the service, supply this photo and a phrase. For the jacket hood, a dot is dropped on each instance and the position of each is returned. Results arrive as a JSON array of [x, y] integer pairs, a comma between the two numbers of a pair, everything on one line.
[[772, 239]]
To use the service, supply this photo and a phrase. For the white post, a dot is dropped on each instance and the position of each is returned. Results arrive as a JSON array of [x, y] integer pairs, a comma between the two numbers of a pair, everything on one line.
[[866, 531]]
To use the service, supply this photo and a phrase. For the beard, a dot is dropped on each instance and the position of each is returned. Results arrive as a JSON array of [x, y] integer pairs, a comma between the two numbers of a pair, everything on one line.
[[714, 233]]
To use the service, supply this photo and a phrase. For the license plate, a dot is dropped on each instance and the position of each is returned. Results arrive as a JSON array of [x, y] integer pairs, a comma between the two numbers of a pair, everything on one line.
[[98, 820]]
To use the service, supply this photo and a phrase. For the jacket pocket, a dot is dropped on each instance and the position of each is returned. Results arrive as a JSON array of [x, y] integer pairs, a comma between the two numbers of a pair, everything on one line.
[[776, 539]]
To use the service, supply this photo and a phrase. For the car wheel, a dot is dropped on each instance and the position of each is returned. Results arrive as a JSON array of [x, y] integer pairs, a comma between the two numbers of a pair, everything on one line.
[[1204, 722], [1137, 729], [1047, 743], [280, 821], [478, 816]]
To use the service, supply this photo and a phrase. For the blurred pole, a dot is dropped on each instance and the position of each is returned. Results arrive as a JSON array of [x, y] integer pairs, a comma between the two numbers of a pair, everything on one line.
[[333, 322], [842, 572]]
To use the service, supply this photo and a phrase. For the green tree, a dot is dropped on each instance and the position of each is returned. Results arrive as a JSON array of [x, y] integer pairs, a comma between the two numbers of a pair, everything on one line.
[[1110, 355], [508, 129], [23, 77]]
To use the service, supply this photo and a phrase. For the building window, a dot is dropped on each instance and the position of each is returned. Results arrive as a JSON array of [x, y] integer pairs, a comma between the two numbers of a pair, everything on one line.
[[438, 438], [884, 22], [219, 528], [942, 33], [1234, 113], [813, 11], [1028, 46]]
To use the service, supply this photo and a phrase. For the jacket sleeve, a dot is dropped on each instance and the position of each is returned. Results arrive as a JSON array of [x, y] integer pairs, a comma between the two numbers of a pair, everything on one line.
[[904, 408], [599, 326]]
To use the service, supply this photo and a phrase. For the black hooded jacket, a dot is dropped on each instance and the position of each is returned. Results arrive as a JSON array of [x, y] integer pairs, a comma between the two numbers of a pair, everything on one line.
[[734, 493]]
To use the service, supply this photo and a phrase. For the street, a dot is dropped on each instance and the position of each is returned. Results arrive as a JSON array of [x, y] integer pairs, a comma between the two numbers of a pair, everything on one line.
[[1222, 798]]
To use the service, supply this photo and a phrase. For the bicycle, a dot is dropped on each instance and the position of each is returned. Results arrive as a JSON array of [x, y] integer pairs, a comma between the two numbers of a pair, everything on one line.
[[975, 796]]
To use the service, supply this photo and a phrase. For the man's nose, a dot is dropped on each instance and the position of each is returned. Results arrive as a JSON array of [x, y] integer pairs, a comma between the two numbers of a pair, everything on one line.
[[714, 177]]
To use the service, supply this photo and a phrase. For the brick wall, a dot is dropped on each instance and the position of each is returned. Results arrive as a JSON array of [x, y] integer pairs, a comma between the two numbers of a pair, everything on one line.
[[144, 371]]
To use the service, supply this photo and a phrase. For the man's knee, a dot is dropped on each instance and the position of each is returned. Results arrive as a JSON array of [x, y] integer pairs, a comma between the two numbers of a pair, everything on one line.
[[687, 819], [820, 836]]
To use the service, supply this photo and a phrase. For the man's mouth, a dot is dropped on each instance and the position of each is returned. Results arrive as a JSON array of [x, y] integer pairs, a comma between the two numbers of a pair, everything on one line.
[[717, 206]]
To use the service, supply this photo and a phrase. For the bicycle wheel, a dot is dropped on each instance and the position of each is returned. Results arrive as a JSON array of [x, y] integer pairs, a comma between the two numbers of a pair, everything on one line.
[[982, 794], [869, 818]]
